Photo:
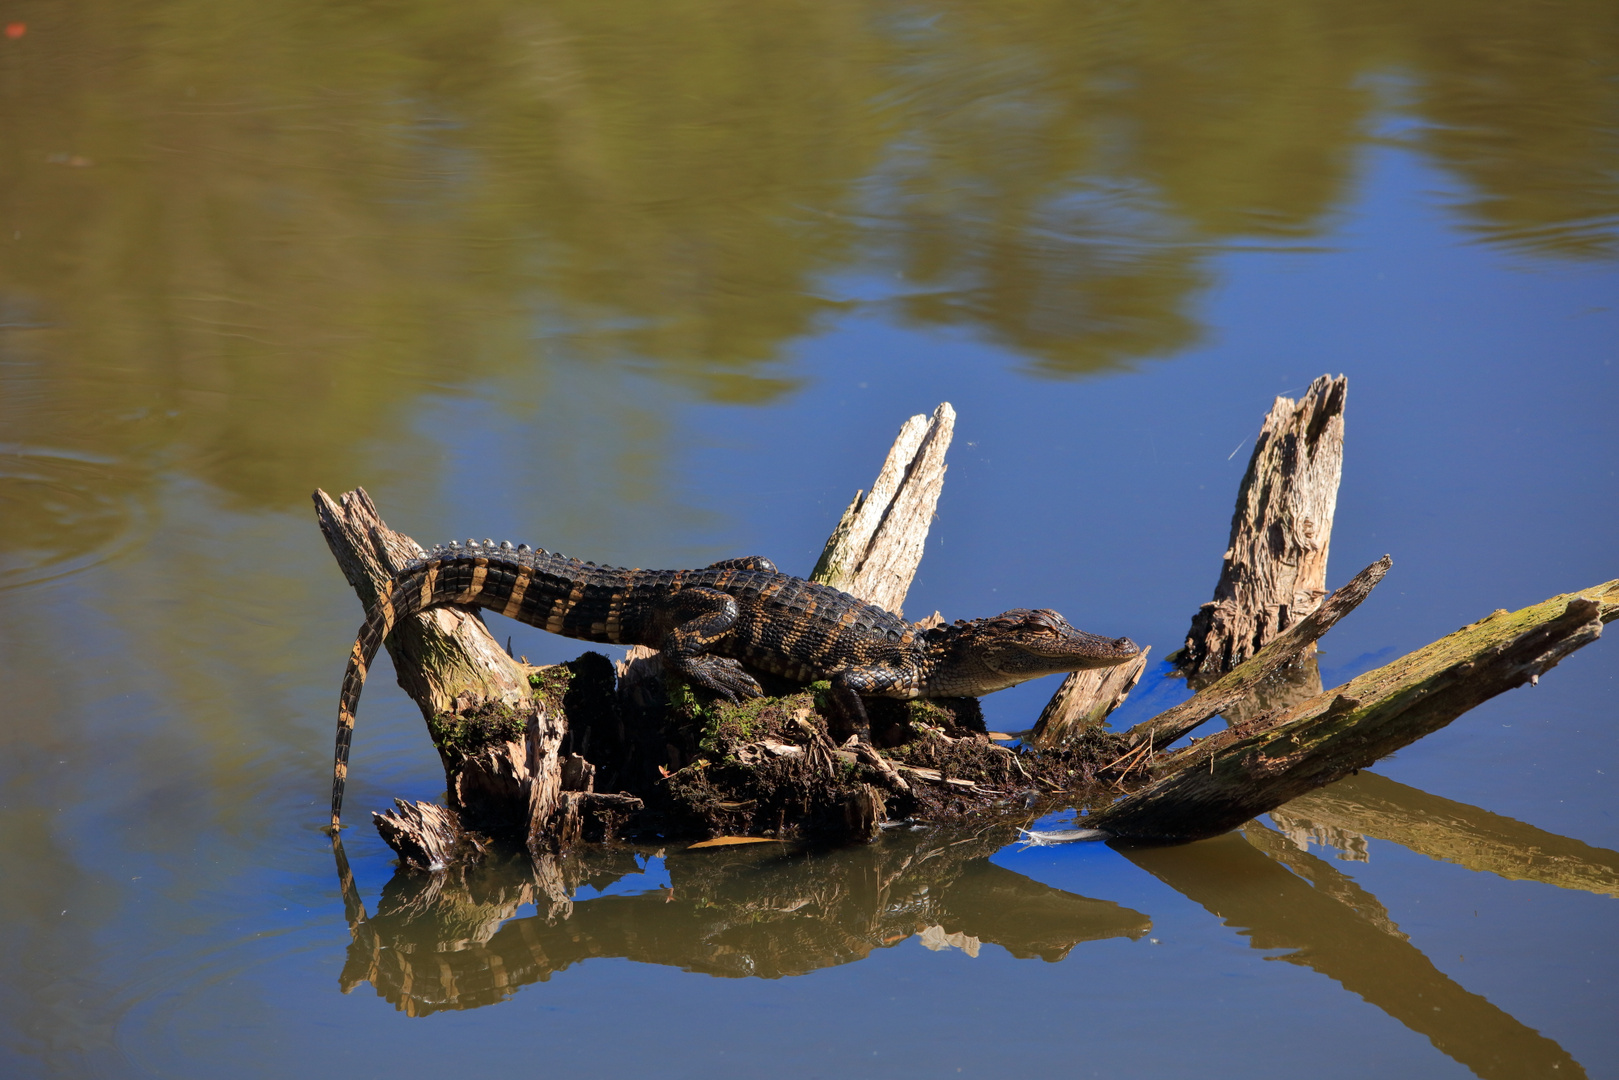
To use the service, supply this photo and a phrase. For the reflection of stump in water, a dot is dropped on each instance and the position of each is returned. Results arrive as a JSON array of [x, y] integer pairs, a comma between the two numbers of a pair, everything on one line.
[[449, 941]]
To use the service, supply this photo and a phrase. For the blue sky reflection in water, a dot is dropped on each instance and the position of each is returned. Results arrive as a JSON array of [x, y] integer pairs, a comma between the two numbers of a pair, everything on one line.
[[173, 628]]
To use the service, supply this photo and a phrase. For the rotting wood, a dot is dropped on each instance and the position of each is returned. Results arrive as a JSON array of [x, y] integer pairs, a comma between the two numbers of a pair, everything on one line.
[[1241, 682], [1219, 782], [874, 550], [1275, 567], [1367, 805], [1084, 701]]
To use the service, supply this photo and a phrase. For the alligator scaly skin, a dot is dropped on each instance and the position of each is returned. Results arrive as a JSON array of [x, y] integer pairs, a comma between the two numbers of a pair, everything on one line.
[[711, 623]]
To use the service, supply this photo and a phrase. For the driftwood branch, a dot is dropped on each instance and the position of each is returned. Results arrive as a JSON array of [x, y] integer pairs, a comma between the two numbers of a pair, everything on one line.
[[874, 551], [1221, 781], [1240, 683], [1275, 566]]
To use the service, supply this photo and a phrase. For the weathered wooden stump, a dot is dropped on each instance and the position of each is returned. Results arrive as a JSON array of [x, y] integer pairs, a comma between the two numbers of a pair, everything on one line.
[[1274, 572]]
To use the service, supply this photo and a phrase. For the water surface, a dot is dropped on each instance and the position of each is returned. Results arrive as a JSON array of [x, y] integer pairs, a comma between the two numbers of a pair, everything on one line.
[[656, 284]]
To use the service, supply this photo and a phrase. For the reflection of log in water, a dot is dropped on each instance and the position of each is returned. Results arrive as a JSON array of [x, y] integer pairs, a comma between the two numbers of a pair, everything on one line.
[[448, 940], [1369, 805], [1336, 928]]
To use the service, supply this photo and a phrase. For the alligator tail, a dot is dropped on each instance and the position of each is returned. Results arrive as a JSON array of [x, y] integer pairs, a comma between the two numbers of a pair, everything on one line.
[[379, 622]]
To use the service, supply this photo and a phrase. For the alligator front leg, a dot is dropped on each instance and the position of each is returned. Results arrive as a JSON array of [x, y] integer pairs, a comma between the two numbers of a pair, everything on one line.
[[848, 711], [704, 617], [851, 685]]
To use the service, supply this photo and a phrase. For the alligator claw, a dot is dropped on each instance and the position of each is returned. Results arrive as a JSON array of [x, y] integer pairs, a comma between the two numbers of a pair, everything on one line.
[[724, 677]]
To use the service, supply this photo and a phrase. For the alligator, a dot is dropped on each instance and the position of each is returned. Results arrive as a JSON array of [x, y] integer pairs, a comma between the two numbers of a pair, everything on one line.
[[711, 625]]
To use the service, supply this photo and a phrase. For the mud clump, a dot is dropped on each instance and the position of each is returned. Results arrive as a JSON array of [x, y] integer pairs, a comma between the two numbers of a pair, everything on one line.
[[767, 767]]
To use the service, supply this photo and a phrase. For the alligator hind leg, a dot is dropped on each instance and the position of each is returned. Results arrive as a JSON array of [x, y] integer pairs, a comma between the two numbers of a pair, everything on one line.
[[747, 562], [707, 615]]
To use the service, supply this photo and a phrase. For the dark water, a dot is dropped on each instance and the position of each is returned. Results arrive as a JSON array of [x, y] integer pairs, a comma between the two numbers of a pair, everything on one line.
[[656, 284]]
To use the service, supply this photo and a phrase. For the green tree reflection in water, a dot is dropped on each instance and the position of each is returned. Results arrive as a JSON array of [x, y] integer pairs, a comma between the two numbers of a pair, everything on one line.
[[296, 220]]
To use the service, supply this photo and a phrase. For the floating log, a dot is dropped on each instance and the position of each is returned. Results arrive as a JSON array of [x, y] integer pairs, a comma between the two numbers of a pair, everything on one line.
[[1219, 782], [1275, 567], [875, 548]]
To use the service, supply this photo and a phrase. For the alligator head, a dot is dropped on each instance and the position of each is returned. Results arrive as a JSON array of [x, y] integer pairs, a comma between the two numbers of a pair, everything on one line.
[[984, 655]]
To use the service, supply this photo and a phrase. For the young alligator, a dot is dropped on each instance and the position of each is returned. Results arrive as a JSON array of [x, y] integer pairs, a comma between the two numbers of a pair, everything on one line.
[[709, 623]]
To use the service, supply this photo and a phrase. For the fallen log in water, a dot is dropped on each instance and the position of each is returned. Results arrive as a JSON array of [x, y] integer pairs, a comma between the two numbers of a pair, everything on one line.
[[1219, 782]]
